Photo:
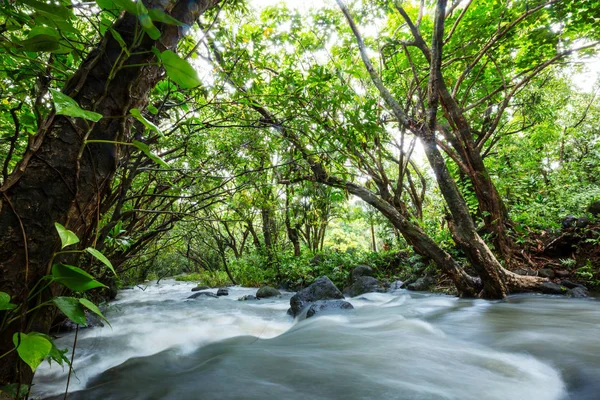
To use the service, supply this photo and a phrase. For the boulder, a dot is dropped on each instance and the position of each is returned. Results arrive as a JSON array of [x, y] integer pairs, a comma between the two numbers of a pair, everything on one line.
[[562, 273], [578, 292], [199, 294], [223, 292], [267, 291], [571, 285], [569, 221], [582, 222], [395, 286], [248, 297], [364, 284], [321, 289], [327, 306], [362, 270], [546, 273], [198, 288], [551, 288], [421, 284], [594, 208]]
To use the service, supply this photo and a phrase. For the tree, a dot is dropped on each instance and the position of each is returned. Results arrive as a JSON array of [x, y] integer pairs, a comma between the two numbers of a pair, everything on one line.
[[72, 159]]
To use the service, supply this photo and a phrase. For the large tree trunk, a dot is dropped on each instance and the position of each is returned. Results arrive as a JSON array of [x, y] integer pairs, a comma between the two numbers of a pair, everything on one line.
[[60, 179]]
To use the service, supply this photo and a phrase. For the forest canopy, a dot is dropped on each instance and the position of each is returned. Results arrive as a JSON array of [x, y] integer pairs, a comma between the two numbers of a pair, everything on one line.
[[243, 143]]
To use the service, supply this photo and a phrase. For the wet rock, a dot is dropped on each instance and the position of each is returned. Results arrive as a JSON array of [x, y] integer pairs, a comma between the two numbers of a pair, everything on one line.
[[199, 294], [327, 306], [198, 288], [546, 273], [551, 288], [321, 289], [364, 284], [395, 286], [571, 285], [421, 284], [582, 222], [578, 292], [594, 208], [267, 291], [362, 270], [569, 221], [248, 297], [223, 292]]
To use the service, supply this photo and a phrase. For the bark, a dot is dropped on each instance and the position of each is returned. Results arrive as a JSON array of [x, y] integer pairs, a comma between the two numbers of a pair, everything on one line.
[[60, 179]]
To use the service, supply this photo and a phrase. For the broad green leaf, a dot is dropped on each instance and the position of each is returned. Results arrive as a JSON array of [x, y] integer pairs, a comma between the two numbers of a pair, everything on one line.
[[158, 15], [49, 7], [180, 70], [40, 42], [67, 106], [71, 307], [67, 237], [138, 115], [149, 27], [146, 150], [93, 308], [120, 40], [74, 278], [5, 303], [100, 257], [32, 348], [126, 5]]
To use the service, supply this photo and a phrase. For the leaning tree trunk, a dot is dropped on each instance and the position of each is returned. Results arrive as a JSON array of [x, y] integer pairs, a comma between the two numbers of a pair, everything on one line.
[[60, 179]]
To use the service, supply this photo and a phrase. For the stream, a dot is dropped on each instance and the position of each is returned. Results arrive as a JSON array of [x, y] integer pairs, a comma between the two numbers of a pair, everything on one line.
[[399, 345]]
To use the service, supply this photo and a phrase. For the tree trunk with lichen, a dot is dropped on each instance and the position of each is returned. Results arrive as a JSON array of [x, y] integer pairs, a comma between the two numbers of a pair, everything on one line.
[[61, 179]]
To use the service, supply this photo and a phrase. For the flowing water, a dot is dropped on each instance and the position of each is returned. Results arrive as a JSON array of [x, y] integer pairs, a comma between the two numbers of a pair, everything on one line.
[[400, 345]]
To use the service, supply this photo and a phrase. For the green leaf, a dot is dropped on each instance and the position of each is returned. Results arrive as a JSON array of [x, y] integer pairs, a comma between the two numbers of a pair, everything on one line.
[[149, 27], [93, 308], [100, 257], [50, 8], [138, 115], [67, 106], [67, 237], [126, 5], [40, 42], [32, 348], [146, 150], [74, 278], [120, 40], [5, 303], [158, 15], [180, 70], [71, 307]]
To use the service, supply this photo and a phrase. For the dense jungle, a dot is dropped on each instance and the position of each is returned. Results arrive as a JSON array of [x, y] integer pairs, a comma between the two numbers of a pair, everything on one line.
[[284, 199]]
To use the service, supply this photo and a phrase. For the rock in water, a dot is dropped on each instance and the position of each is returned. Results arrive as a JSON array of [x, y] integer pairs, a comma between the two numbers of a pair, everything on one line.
[[396, 285], [199, 294], [364, 284], [362, 270], [327, 306], [223, 292], [552, 288], [248, 297], [421, 284], [578, 292], [198, 288], [321, 289], [267, 291], [362, 281]]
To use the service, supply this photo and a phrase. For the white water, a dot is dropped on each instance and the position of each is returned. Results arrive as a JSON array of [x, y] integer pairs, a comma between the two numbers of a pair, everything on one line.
[[400, 345]]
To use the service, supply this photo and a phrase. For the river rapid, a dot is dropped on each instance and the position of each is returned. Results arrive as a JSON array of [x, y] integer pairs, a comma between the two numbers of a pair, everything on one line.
[[398, 345]]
